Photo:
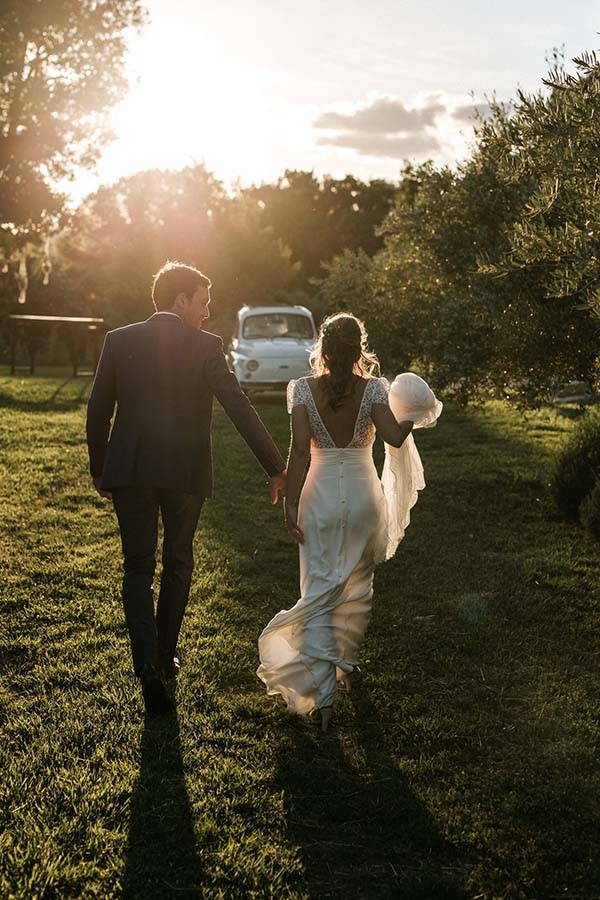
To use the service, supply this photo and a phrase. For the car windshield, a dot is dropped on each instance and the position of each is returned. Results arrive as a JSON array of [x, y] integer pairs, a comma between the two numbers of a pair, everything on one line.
[[278, 325]]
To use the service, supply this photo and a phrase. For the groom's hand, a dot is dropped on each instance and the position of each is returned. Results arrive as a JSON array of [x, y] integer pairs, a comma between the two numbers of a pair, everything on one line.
[[277, 484], [98, 485]]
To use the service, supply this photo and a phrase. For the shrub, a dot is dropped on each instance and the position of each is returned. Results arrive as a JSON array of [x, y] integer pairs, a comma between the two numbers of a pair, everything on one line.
[[589, 511], [577, 468]]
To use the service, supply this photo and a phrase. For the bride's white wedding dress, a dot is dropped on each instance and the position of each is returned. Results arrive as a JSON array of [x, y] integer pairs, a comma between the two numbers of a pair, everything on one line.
[[351, 520]]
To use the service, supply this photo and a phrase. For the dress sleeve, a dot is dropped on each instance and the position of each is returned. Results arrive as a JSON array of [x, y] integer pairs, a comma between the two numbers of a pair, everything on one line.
[[296, 394], [380, 390]]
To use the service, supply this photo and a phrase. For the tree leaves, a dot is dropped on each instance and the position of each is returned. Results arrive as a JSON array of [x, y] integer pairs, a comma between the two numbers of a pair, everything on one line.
[[60, 72], [489, 280]]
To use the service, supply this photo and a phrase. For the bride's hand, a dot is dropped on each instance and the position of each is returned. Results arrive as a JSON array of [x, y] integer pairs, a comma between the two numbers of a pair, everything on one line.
[[277, 484], [291, 521]]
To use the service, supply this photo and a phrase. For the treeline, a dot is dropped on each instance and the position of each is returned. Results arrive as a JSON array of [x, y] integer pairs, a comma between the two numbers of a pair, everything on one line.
[[263, 245]]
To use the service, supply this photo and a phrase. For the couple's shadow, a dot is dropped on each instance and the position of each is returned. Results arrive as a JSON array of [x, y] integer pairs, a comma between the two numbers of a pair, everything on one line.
[[161, 859], [362, 830]]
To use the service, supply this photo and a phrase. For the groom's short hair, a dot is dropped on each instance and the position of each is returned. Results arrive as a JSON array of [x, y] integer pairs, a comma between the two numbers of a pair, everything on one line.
[[176, 278]]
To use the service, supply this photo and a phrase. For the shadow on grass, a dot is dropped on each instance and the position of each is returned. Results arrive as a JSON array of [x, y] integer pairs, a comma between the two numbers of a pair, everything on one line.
[[161, 856], [43, 395], [362, 831]]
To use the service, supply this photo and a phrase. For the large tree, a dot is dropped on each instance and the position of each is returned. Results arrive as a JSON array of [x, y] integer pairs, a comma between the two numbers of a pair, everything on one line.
[[61, 69], [551, 144], [490, 274]]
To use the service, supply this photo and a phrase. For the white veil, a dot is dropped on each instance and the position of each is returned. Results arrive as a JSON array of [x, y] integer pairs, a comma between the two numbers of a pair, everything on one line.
[[402, 478]]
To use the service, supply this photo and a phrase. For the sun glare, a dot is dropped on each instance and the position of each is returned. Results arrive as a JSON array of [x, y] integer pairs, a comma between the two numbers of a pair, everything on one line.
[[189, 103], [193, 100]]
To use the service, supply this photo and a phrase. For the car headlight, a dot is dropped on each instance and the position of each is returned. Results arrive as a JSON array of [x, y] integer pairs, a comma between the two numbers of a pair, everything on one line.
[[252, 365]]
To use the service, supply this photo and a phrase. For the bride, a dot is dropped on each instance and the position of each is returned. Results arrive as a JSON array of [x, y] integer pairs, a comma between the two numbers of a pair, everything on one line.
[[346, 520]]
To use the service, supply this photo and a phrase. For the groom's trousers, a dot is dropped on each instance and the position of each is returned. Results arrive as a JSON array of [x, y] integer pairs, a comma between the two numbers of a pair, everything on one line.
[[154, 638]]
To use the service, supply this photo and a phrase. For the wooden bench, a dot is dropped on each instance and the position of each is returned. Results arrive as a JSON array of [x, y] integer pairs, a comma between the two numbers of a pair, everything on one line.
[[79, 333]]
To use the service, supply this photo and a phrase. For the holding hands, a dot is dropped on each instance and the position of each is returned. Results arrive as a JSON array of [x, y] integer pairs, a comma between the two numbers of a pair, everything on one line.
[[277, 484]]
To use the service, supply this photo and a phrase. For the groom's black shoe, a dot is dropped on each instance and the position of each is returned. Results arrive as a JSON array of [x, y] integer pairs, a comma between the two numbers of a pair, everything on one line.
[[156, 699]]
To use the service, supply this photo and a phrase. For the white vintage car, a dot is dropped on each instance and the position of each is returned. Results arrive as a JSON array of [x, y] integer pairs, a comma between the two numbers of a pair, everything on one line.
[[271, 345]]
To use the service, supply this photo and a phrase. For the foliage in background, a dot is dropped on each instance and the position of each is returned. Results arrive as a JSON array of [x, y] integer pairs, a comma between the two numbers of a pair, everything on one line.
[[321, 218], [123, 233], [489, 276], [256, 251], [551, 144], [61, 69], [589, 511], [577, 473]]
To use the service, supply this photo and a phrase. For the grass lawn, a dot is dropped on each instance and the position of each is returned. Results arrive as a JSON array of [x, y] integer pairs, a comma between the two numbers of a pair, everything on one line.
[[465, 765]]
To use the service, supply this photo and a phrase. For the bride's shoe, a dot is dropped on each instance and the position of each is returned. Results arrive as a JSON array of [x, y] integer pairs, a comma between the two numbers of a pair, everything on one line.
[[349, 678], [314, 716]]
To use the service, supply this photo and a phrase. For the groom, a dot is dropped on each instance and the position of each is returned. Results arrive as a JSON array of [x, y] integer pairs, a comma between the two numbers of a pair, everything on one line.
[[162, 375]]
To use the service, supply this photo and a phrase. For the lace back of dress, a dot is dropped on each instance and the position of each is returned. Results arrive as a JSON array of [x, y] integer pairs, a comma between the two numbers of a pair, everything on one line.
[[375, 391], [364, 430]]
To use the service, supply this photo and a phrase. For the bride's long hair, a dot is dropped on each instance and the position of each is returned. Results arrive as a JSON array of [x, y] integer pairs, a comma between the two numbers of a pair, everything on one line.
[[342, 351]]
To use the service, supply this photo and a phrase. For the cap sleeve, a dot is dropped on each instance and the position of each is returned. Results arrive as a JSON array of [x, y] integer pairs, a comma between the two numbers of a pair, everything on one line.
[[291, 395], [380, 390], [296, 393]]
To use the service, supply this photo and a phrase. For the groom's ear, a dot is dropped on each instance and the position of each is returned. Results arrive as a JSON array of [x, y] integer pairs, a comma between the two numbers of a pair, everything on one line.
[[180, 301]]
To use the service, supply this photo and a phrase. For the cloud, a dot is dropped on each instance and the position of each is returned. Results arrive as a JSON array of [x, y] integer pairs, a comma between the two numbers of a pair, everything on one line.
[[383, 116], [383, 145], [385, 127], [436, 126]]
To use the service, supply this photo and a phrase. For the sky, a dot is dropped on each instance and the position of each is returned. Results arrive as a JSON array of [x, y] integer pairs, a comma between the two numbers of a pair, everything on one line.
[[253, 87]]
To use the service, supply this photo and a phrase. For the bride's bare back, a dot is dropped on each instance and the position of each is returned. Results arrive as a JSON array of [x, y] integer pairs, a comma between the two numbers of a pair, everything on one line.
[[340, 423]]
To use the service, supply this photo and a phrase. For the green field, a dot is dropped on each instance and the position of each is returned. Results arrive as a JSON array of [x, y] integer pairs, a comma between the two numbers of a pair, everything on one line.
[[465, 765]]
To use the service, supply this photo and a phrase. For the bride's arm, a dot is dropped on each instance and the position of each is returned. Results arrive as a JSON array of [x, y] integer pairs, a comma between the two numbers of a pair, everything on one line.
[[296, 466], [392, 432]]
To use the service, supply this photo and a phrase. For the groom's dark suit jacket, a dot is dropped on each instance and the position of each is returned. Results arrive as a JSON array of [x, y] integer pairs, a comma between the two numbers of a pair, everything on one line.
[[162, 375]]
